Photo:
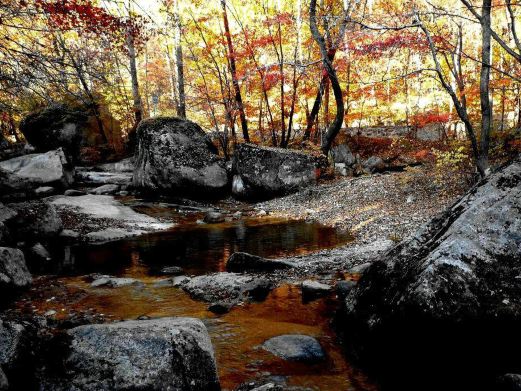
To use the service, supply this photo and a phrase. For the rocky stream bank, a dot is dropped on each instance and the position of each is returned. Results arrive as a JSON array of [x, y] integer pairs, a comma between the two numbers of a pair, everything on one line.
[[100, 279]]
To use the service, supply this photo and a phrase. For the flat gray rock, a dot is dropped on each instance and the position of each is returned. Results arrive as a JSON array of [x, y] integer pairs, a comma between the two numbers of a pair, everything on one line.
[[36, 170]]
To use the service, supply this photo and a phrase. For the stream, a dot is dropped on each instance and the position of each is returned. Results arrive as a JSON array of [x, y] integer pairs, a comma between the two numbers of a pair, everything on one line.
[[201, 249]]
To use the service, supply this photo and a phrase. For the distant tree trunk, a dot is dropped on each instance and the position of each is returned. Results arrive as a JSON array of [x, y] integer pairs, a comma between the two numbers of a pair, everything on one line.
[[233, 71], [484, 84], [480, 152], [503, 99], [348, 89], [181, 108], [318, 102], [173, 81], [138, 105], [519, 107], [335, 126]]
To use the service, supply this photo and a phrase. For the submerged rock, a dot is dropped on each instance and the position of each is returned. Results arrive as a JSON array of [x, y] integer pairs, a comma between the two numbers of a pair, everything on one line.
[[176, 156], [114, 282], [14, 274], [448, 299], [221, 307], [241, 262], [261, 172], [159, 354], [295, 347]]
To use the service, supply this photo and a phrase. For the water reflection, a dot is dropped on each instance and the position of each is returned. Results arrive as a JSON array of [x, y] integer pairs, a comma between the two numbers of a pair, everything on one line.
[[200, 249]]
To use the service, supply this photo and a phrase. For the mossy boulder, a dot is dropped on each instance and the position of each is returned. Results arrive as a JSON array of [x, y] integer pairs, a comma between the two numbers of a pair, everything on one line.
[[176, 157]]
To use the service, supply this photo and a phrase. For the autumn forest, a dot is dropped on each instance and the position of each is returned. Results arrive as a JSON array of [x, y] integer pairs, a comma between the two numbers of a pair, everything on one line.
[[260, 195], [253, 70]]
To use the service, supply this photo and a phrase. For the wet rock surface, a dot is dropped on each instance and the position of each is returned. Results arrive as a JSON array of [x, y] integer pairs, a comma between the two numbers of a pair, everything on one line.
[[177, 157], [295, 348], [101, 218], [456, 280], [158, 354], [230, 287], [114, 282], [214, 217], [314, 289], [261, 172]]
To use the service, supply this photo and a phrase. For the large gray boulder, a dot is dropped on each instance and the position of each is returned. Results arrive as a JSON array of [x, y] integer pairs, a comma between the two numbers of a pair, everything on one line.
[[261, 172], [55, 126], [159, 354], [29, 172], [176, 157], [14, 274], [448, 300]]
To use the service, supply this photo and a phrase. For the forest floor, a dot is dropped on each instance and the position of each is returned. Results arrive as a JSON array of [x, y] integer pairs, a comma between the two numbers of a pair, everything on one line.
[[377, 207]]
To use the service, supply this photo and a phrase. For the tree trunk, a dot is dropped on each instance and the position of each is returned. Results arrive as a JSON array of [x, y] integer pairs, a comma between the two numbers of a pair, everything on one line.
[[318, 101], [335, 126], [181, 108], [484, 84], [138, 105], [233, 71]]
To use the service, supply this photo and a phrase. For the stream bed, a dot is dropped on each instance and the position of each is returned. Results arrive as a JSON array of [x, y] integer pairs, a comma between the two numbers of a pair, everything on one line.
[[201, 249]]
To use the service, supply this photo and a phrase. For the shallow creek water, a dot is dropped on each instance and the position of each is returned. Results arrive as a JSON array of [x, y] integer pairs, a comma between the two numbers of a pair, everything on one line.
[[200, 249]]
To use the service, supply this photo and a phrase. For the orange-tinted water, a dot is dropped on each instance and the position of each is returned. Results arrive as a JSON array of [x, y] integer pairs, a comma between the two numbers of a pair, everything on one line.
[[236, 336]]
